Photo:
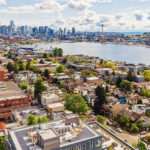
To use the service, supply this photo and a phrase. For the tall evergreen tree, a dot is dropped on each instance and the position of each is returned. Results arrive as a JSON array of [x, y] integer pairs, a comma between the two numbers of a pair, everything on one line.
[[46, 73], [119, 80], [130, 76], [39, 87], [100, 100]]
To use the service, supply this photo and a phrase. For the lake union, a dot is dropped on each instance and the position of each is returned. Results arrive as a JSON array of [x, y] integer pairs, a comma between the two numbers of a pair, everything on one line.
[[126, 53]]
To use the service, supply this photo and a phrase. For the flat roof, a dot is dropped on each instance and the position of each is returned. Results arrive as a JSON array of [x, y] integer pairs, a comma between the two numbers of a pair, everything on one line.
[[55, 105], [21, 140], [49, 95], [47, 134], [92, 78], [2, 68], [2, 98]]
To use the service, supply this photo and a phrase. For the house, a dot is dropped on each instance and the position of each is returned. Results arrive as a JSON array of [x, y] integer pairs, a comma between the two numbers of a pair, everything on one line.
[[139, 109], [55, 108], [118, 108], [3, 73], [20, 116], [93, 80], [106, 71], [49, 98], [139, 78], [49, 67]]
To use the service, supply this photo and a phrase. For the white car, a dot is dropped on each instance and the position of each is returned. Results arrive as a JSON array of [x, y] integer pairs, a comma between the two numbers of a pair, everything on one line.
[[119, 130]]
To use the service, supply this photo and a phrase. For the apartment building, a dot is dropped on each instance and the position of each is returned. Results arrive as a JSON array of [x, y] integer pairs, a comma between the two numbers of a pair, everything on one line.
[[3, 73], [68, 133]]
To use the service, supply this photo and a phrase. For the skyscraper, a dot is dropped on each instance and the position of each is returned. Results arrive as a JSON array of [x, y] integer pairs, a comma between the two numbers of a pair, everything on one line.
[[11, 27], [73, 30]]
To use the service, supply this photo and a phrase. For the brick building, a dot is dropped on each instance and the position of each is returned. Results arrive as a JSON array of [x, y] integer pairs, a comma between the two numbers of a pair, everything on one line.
[[12, 102], [3, 73], [11, 97]]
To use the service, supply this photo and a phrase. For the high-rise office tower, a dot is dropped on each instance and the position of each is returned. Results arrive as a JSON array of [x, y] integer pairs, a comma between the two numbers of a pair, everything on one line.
[[73, 30]]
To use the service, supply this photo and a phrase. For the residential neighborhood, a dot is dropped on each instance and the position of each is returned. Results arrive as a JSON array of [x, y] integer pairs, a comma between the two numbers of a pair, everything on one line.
[[52, 101]]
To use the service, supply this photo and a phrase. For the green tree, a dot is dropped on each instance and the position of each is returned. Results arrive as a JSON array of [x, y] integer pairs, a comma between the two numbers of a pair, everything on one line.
[[45, 55], [56, 52], [145, 92], [46, 73], [32, 120], [62, 85], [125, 86], [101, 119], [64, 61], [9, 55], [24, 86], [141, 146], [130, 76], [100, 99], [75, 103], [125, 120], [119, 80], [39, 120], [60, 52], [41, 61], [61, 69], [39, 87], [134, 128], [10, 67], [16, 68], [23, 66], [139, 124], [2, 142], [139, 101], [108, 65], [134, 144], [146, 74], [42, 119]]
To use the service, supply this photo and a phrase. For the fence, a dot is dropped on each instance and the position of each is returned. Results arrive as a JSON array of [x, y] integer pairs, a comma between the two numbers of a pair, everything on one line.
[[127, 145]]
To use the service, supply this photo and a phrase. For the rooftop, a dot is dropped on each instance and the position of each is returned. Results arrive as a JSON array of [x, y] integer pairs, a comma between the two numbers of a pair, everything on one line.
[[47, 134], [55, 105], [73, 133], [2, 68]]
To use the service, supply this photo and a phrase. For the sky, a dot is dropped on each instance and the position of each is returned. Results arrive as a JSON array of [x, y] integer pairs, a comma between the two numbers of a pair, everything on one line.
[[84, 15]]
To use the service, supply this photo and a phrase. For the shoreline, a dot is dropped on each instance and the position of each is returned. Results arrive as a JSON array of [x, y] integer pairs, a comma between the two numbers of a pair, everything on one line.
[[105, 58]]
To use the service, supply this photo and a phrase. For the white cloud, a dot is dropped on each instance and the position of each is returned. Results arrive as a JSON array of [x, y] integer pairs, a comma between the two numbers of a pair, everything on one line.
[[88, 19], [2, 1], [46, 6]]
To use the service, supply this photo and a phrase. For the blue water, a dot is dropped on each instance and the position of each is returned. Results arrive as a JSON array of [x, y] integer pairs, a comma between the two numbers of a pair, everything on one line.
[[125, 53]]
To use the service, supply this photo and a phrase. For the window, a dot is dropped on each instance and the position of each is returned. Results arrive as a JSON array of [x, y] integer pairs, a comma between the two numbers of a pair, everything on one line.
[[83, 147], [91, 144], [97, 143], [72, 148], [78, 147]]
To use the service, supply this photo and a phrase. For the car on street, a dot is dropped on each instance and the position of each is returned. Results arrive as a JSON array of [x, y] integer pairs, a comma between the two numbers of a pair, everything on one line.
[[119, 130]]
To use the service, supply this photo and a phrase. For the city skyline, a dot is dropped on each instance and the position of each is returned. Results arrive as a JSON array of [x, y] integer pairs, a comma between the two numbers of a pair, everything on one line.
[[84, 15]]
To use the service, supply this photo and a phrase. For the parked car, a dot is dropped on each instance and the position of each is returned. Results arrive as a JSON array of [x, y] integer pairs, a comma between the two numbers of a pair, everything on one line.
[[143, 132], [113, 131], [119, 130]]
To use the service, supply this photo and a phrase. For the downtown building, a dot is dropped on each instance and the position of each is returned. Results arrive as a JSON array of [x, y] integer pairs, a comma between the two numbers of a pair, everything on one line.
[[68, 133]]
